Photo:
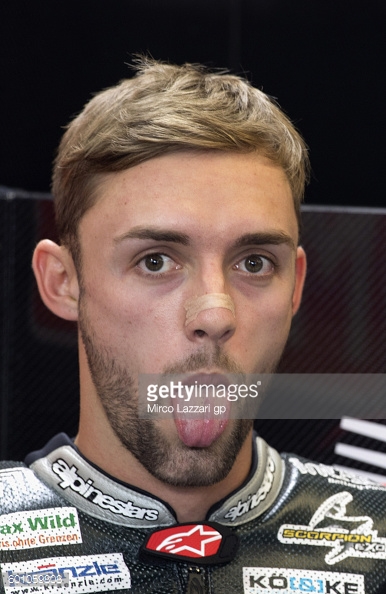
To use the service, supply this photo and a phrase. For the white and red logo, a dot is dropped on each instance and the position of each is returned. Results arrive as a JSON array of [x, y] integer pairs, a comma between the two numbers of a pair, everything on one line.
[[195, 540], [206, 543]]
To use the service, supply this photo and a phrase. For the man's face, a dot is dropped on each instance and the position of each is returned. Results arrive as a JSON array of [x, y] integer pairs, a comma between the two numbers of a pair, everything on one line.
[[172, 228]]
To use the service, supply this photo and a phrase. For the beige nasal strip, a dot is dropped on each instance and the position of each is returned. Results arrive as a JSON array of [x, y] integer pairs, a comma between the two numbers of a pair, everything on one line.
[[195, 305]]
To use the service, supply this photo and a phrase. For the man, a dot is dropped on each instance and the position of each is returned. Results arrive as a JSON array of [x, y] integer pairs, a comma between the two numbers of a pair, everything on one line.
[[177, 199]]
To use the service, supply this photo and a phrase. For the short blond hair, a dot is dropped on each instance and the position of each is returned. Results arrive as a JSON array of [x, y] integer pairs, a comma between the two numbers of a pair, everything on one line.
[[163, 109]]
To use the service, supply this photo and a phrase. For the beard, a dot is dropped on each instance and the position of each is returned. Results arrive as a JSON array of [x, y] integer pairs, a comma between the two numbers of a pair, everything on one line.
[[155, 444]]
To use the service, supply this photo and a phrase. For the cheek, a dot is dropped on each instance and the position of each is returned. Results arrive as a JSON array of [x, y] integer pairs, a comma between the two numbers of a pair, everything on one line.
[[271, 316], [137, 320]]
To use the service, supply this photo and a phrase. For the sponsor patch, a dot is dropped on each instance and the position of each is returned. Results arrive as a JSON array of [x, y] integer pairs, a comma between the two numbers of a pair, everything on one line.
[[39, 528], [80, 574], [276, 580], [336, 475], [84, 487], [331, 526], [206, 544]]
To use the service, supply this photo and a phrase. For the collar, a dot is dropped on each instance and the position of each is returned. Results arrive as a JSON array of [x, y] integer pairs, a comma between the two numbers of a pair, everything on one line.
[[61, 466]]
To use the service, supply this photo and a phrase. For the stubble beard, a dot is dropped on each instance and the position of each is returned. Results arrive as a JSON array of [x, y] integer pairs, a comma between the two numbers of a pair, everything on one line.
[[166, 458]]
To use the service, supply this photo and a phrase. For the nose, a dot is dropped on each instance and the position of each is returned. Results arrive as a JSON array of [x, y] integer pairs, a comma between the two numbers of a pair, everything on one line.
[[210, 317]]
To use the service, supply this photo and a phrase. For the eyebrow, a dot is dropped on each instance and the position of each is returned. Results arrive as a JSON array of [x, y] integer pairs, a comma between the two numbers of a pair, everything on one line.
[[154, 234], [270, 238]]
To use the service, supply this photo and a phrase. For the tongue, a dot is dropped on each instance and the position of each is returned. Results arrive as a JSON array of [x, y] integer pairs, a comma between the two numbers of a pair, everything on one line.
[[199, 433]]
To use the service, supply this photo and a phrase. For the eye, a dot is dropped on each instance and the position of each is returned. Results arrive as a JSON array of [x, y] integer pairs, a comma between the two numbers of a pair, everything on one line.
[[153, 263], [255, 264]]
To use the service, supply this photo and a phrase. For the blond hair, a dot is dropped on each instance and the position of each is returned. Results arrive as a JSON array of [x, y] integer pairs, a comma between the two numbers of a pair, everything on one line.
[[166, 108]]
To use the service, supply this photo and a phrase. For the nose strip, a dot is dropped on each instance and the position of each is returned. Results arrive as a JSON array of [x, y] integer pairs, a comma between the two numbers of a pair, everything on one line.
[[195, 305]]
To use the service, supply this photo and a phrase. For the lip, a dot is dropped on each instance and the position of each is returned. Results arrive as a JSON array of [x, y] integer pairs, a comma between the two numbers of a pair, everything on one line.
[[213, 378]]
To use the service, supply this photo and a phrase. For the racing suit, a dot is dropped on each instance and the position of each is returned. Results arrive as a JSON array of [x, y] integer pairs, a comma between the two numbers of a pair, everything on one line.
[[292, 527]]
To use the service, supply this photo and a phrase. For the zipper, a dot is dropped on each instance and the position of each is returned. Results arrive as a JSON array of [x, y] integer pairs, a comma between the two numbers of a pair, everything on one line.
[[196, 581]]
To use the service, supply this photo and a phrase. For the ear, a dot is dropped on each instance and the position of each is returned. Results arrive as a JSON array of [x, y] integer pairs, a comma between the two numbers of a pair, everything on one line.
[[57, 279], [300, 277]]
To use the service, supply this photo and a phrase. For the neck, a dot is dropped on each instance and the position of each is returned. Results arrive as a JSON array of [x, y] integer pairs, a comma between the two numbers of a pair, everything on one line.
[[191, 504], [98, 442]]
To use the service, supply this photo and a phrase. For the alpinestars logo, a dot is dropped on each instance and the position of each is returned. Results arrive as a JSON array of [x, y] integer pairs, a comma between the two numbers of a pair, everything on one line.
[[207, 543], [197, 541], [331, 526], [70, 479], [254, 499]]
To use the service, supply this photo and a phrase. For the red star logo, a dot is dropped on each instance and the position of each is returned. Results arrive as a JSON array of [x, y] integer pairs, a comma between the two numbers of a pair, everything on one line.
[[196, 540]]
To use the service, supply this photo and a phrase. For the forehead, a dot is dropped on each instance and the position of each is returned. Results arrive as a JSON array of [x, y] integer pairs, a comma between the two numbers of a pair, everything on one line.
[[217, 191]]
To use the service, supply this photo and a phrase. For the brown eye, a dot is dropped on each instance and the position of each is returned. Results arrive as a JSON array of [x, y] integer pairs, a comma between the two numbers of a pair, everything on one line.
[[260, 266], [157, 265], [253, 263], [154, 262]]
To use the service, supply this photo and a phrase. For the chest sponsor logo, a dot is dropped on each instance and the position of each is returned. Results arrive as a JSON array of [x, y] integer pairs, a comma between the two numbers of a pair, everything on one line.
[[196, 540], [331, 526], [254, 499], [39, 528], [336, 475], [276, 580], [71, 479], [208, 543], [87, 573]]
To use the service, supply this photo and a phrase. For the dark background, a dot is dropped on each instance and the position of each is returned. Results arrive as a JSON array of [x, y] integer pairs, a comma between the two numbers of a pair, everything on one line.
[[324, 61]]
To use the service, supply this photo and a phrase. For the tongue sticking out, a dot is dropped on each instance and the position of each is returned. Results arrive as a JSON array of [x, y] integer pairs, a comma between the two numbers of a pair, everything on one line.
[[196, 425], [199, 433]]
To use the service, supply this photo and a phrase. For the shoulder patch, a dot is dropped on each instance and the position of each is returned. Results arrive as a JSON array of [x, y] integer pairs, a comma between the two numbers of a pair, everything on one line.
[[38, 528], [335, 475], [266, 580], [332, 526], [85, 573]]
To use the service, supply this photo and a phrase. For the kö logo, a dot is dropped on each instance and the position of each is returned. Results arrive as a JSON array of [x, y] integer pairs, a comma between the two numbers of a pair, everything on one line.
[[70, 478], [275, 580]]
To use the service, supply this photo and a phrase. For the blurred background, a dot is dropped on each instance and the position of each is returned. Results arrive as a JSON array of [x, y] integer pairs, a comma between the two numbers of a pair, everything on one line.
[[324, 62]]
